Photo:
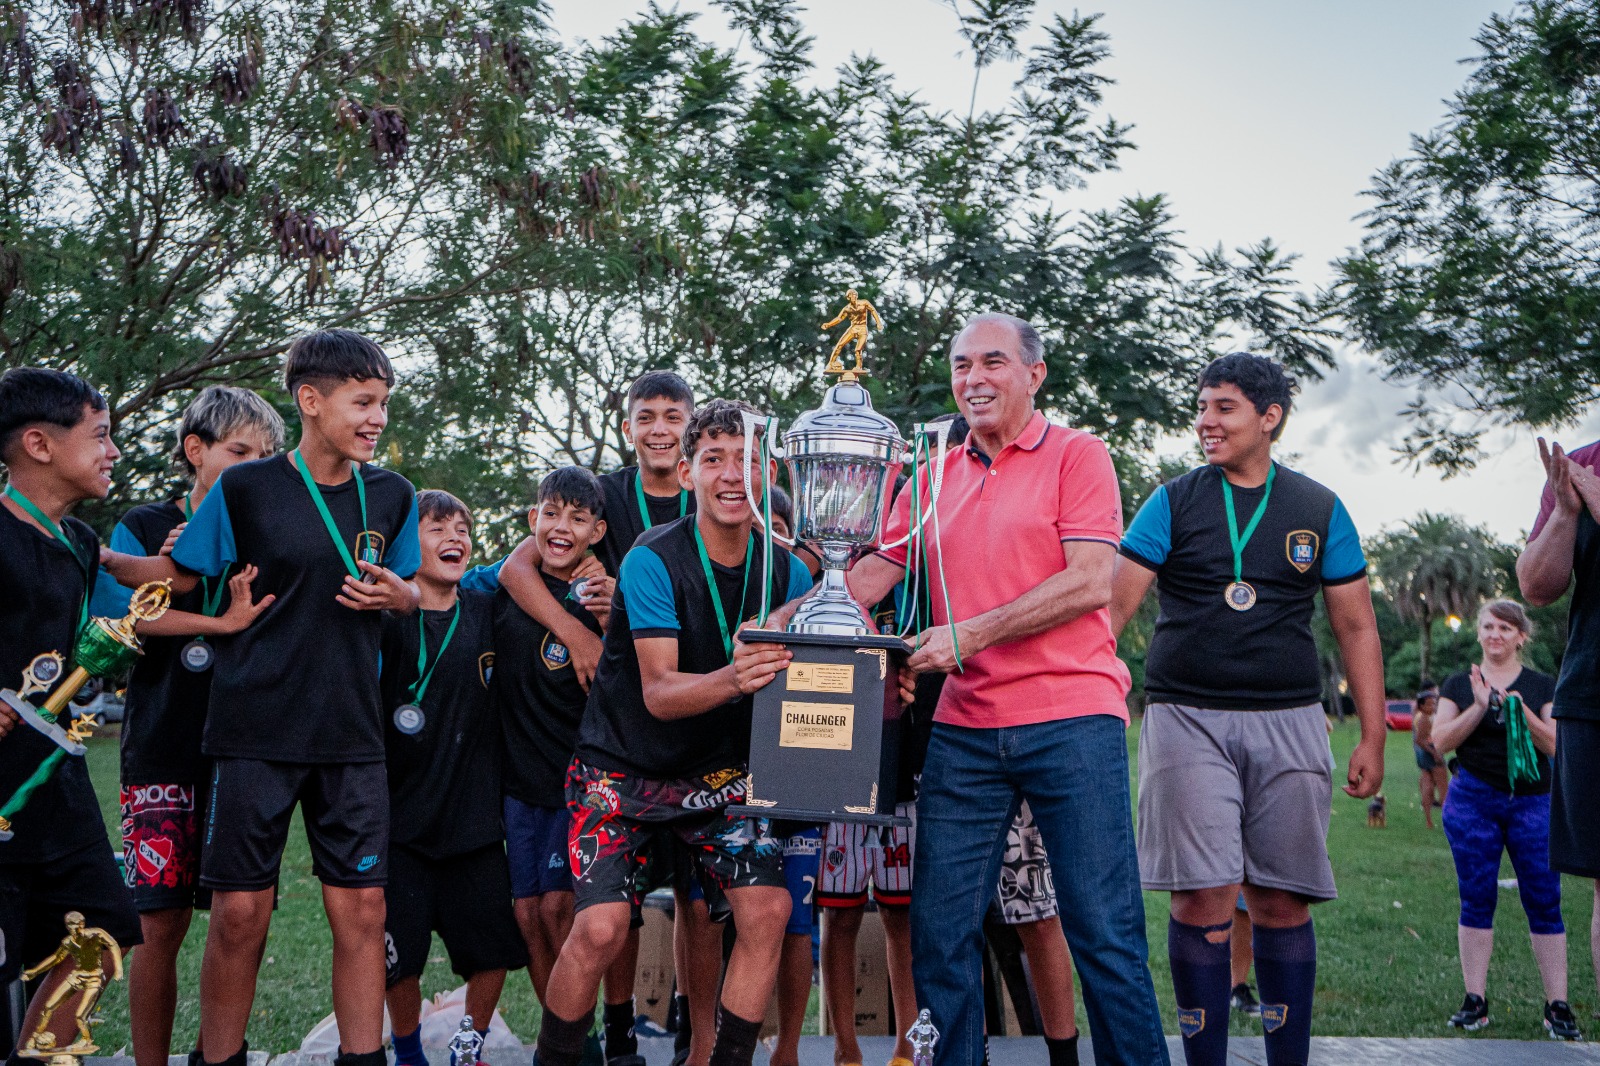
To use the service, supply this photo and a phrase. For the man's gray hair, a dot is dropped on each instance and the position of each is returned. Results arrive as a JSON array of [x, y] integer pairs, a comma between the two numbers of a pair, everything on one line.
[[1028, 339], [222, 410]]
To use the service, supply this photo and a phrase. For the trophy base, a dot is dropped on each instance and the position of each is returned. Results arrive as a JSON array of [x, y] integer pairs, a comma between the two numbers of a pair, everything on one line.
[[813, 817], [825, 734]]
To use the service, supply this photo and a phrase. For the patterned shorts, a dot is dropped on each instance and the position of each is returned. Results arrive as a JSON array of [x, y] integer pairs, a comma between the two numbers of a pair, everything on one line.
[[1027, 892], [161, 846], [616, 815]]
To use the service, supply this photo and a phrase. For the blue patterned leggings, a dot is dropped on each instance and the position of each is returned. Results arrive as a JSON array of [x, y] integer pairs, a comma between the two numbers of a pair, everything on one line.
[[1480, 821]]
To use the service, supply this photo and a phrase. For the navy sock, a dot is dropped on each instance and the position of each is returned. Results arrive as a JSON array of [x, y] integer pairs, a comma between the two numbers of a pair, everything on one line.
[[1286, 976], [685, 1029], [560, 1042], [1200, 976], [618, 1021], [1063, 1052], [482, 1033], [736, 1039], [408, 1049]]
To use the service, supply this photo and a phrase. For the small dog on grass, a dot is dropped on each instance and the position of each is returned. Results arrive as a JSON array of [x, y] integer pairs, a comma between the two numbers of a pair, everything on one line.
[[1377, 813]]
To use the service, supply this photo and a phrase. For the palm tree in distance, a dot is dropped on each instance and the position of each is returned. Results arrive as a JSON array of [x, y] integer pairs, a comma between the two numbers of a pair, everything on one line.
[[1435, 567]]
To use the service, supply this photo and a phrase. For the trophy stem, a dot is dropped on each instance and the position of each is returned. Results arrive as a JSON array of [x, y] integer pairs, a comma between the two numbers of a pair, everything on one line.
[[61, 696], [831, 610]]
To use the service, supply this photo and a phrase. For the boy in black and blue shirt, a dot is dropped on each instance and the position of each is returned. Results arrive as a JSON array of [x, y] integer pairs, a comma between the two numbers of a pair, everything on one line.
[[55, 442], [447, 856], [665, 736], [295, 714]]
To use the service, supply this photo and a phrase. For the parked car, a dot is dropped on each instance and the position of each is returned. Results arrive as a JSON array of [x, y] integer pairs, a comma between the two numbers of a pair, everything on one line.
[[1398, 714]]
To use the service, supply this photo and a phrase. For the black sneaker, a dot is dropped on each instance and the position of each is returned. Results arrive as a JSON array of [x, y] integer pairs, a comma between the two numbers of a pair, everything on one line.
[[1559, 1022], [1243, 1000], [1474, 1014]]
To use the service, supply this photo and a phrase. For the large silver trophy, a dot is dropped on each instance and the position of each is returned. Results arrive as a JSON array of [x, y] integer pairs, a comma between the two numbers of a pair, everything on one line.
[[824, 742]]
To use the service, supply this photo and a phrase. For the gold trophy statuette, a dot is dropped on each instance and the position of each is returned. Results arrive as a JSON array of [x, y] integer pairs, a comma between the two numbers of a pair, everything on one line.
[[856, 311], [84, 947], [106, 648]]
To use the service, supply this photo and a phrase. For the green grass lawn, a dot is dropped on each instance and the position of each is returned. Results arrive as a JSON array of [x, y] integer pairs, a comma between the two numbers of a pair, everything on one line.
[[1387, 945]]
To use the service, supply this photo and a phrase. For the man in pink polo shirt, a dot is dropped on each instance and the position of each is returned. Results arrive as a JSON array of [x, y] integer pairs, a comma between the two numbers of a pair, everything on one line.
[[1034, 706]]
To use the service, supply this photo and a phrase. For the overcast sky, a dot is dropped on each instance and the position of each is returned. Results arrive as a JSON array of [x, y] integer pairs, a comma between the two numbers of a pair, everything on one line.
[[1256, 118]]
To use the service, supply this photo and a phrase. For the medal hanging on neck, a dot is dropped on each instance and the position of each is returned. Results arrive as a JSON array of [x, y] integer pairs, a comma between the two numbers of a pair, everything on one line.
[[408, 717], [11, 492], [1240, 594], [369, 545], [716, 593], [197, 656], [644, 508]]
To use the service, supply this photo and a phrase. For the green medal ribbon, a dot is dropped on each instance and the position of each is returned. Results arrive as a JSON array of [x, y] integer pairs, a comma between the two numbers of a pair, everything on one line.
[[419, 687], [1522, 758], [1241, 539], [60, 534], [716, 594], [211, 598], [644, 508], [327, 518]]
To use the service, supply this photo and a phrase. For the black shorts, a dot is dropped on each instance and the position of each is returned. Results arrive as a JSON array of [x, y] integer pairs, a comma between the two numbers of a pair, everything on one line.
[[36, 896], [615, 817], [1574, 798], [466, 899], [346, 808]]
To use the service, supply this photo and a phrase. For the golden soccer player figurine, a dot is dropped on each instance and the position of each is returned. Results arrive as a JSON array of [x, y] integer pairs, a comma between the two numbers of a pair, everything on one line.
[[857, 311], [84, 947]]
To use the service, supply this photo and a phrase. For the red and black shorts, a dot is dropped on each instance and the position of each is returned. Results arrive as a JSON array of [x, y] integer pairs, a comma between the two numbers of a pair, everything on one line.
[[615, 817], [161, 842]]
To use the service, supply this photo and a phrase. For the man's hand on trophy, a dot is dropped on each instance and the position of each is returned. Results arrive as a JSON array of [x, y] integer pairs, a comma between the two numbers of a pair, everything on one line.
[[243, 610], [755, 665], [936, 652], [908, 684], [388, 591]]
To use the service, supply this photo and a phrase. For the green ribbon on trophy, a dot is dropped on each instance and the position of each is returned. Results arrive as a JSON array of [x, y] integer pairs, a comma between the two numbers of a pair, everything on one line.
[[106, 648]]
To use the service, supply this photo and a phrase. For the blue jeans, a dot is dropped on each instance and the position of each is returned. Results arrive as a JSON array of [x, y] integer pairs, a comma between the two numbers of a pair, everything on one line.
[[1074, 774]]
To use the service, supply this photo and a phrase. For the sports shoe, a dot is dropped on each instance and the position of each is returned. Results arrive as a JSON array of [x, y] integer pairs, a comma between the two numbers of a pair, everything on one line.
[[1474, 1014], [1559, 1022], [1243, 999]]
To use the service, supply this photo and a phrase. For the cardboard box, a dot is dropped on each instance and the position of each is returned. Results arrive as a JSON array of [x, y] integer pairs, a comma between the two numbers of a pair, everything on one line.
[[652, 984], [874, 1016]]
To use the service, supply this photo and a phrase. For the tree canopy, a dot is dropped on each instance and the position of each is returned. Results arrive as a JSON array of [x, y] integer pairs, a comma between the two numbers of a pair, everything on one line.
[[1478, 279]]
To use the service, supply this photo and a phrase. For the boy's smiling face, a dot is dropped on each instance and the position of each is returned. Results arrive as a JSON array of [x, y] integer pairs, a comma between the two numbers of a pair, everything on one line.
[[655, 427], [716, 476], [350, 416], [84, 455], [563, 532], [446, 547]]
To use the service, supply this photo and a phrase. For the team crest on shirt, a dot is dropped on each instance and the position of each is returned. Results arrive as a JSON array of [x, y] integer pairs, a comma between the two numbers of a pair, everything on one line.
[[554, 653], [1301, 548], [486, 668]]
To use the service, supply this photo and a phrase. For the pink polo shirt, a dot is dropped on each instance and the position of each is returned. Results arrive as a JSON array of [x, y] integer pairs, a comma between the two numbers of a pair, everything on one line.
[[1002, 525]]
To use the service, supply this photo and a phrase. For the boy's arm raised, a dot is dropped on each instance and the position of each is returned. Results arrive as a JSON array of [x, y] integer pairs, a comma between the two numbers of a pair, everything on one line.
[[520, 576]]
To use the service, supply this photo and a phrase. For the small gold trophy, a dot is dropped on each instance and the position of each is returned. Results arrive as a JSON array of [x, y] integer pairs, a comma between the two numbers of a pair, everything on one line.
[[106, 648], [857, 311], [84, 947]]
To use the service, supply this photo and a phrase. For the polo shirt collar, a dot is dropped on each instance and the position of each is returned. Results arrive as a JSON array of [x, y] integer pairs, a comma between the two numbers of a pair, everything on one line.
[[1028, 440]]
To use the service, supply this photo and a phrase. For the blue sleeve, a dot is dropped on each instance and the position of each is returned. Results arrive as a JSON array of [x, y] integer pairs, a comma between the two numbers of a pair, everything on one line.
[[124, 542], [405, 554], [1342, 558], [206, 545], [799, 579], [484, 578], [646, 590], [109, 599], [1149, 535]]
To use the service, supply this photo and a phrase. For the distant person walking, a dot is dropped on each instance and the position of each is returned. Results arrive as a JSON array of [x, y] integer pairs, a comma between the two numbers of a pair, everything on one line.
[[1500, 803], [1433, 780], [1565, 545]]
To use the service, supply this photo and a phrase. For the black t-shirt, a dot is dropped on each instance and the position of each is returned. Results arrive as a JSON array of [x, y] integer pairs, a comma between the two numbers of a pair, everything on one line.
[[538, 699], [1204, 653], [165, 713], [1578, 690], [661, 592], [1483, 753], [444, 780], [301, 684], [44, 587], [624, 524]]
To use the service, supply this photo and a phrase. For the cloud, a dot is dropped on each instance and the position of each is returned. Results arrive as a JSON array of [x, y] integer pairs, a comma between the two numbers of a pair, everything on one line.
[[1352, 411]]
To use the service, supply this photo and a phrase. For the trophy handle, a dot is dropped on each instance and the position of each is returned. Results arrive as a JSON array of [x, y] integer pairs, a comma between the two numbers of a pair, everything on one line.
[[940, 430], [753, 423]]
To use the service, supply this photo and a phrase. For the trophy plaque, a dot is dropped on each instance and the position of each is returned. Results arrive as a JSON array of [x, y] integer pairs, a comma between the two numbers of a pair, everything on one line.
[[825, 734]]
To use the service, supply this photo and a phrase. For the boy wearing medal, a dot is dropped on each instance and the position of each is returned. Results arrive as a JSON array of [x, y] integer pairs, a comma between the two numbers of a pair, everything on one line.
[[163, 769], [1235, 775], [663, 741], [447, 856], [295, 713], [539, 703], [55, 443]]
